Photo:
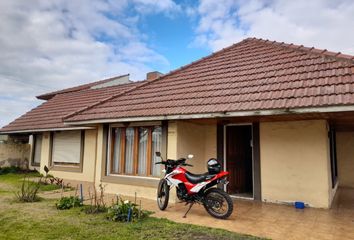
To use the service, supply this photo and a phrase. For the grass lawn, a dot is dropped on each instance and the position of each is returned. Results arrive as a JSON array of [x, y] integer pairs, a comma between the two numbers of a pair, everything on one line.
[[11, 182], [41, 220]]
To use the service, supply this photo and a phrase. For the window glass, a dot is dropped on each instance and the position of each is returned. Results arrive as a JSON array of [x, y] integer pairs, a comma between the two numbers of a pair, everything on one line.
[[142, 158], [37, 148], [129, 150], [156, 147], [117, 135], [134, 151]]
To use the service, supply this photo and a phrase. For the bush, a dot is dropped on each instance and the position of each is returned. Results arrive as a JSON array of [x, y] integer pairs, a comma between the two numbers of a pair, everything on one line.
[[68, 202], [29, 191], [126, 211], [7, 170]]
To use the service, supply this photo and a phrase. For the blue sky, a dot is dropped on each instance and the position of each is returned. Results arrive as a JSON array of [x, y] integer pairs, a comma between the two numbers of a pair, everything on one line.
[[172, 37], [51, 45]]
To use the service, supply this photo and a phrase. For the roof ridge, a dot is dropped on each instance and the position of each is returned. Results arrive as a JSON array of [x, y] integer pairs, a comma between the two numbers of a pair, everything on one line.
[[154, 80], [311, 50], [104, 100]]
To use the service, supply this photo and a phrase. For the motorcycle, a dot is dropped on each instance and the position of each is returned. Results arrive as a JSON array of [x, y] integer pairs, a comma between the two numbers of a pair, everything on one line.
[[195, 188]]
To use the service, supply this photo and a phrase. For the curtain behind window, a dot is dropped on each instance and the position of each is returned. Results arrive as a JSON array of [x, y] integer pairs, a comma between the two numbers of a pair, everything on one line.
[[156, 147], [142, 158], [117, 151], [129, 149]]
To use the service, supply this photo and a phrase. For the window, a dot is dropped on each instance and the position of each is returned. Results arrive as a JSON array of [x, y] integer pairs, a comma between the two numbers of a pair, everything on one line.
[[67, 148], [132, 150], [37, 149]]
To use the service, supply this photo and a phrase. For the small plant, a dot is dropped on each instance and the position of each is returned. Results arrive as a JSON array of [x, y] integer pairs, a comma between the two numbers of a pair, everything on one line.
[[68, 202], [29, 190], [126, 211], [56, 181], [97, 203], [49, 179]]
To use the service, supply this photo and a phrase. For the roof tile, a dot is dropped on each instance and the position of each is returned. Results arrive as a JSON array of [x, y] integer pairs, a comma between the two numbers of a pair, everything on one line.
[[254, 74]]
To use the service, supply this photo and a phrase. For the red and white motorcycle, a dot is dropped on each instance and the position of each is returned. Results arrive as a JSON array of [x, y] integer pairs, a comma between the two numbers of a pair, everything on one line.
[[195, 188]]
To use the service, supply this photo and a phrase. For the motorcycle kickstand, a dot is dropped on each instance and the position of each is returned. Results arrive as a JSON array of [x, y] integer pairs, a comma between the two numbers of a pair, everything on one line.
[[190, 206]]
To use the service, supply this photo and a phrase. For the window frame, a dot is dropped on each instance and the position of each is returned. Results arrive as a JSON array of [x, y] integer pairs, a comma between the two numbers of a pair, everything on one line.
[[68, 167], [33, 149], [111, 143]]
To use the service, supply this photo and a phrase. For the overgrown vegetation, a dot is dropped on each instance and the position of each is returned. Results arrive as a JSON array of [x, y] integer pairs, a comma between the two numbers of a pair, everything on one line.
[[40, 220], [13, 169], [97, 203], [68, 202], [7, 170], [25, 184], [126, 211], [29, 190]]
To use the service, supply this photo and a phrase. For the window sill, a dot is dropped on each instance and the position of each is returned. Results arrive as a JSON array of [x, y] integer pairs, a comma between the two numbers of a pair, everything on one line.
[[132, 180], [67, 168]]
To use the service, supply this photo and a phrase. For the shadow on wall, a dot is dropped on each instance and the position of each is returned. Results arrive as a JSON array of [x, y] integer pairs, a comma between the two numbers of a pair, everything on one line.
[[14, 152]]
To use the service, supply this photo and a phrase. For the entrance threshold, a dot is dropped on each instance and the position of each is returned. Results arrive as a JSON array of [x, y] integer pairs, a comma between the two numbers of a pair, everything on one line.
[[242, 196]]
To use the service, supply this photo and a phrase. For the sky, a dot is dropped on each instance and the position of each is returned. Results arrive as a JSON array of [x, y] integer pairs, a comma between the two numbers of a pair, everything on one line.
[[51, 45]]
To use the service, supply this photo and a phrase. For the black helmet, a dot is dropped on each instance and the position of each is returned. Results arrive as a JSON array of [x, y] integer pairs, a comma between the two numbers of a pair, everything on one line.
[[214, 166]]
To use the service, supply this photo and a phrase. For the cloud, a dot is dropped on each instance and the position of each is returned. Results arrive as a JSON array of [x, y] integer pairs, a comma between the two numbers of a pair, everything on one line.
[[156, 6], [50, 45], [321, 23]]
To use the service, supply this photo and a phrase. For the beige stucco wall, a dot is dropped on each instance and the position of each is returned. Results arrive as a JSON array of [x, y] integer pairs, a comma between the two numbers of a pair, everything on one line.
[[130, 190], [345, 158], [45, 151], [14, 154], [89, 157], [196, 139], [99, 155], [295, 162], [172, 140]]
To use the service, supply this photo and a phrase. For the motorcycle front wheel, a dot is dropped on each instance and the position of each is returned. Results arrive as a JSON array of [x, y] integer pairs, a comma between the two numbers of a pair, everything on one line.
[[218, 203], [163, 194]]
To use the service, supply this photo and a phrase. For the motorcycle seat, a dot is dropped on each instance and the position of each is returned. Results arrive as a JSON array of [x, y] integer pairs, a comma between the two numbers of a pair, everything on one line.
[[197, 178]]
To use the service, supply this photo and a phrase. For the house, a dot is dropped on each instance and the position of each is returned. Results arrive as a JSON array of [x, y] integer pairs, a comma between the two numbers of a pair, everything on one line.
[[280, 118]]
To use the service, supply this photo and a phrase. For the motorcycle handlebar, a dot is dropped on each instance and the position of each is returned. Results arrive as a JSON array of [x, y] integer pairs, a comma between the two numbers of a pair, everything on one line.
[[183, 164], [186, 164]]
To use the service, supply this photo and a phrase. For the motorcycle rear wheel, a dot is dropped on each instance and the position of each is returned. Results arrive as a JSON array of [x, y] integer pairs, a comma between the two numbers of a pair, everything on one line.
[[163, 194], [218, 203]]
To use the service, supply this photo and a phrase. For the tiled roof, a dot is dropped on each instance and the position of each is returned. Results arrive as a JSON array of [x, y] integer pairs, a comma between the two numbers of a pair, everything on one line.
[[252, 75], [49, 115]]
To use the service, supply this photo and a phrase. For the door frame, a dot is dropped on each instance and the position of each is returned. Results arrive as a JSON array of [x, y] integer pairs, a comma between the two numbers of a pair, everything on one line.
[[225, 154]]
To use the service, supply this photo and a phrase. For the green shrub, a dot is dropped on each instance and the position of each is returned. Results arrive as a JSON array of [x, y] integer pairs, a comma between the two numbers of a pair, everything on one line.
[[7, 170], [29, 190], [68, 202], [121, 210]]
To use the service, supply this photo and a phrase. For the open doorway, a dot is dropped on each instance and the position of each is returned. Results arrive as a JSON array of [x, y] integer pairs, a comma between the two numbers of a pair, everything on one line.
[[239, 160]]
